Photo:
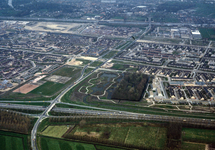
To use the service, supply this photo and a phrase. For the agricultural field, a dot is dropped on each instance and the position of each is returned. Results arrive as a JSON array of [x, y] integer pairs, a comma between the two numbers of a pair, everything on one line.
[[55, 131], [150, 137], [57, 144], [189, 146], [198, 135], [13, 141], [133, 134]]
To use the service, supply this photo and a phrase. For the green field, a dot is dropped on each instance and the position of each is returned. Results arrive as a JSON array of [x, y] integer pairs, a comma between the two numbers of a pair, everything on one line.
[[137, 135], [96, 63], [51, 88], [55, 131], [67, 71], [57, 144], [13, 141], [207, 33], [198, 135], [48, 88], [110, 54], [192, 146], [119, 67], [150, 137]]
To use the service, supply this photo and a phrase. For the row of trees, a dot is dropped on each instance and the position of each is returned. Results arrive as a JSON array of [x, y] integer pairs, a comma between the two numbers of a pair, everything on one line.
[[14, 122], [173, 136], [131, 87]]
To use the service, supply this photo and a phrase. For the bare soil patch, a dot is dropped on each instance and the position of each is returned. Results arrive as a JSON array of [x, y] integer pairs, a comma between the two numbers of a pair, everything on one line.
[[26, 88]]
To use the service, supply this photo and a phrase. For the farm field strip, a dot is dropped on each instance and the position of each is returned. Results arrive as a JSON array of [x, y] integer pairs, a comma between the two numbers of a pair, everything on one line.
[[55, 131]]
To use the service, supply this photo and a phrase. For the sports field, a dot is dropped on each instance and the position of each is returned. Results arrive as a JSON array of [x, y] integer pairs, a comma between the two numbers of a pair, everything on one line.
[[51, 88], [48, 89], [26, 88], [13, 141]]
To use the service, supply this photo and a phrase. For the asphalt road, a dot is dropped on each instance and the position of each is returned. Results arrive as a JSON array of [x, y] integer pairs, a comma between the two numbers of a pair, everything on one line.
[[101, 22], [109, 113]]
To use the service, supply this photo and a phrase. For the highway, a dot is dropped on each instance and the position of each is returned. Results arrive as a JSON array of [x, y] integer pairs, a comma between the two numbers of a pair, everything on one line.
[[110, 113], [100, 22]]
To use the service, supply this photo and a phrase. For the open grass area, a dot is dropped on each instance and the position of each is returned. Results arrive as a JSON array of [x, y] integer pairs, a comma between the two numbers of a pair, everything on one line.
[[87, 70], [207, 33], [67, 71], [96, 63], [194, 146], [134, 134], [198, 135], [57, 144], [55, 131], [48, 88], [24, 97], [13, 141], [110, 54], [149, 137], [119, 67]]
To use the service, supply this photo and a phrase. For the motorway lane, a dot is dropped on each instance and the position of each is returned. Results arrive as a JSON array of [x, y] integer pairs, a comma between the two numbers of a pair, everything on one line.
[[134, 116], [25, 107], [109, 113], [100, 22]]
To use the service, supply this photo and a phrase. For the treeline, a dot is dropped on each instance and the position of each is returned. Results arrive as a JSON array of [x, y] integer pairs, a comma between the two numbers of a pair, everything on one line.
[[44, 6], [131, 87], [173, 136], [175, 6], [14, 122], [89, 120]]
